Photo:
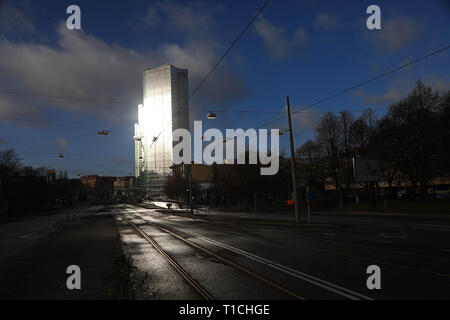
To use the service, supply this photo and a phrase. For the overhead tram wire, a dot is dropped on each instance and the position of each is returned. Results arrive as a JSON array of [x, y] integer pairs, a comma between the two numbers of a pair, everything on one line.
[[210, 72], [330, 97], [222, 57], [77, 154], [320, 101], [283, 112], [301, 109], [190, 96], [18, 93], [131, 134], [38, 150], [229, 49], [61, 125], [127, 103]]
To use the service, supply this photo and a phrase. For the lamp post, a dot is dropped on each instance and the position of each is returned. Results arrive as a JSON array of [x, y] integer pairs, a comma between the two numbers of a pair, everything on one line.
[[191, 209], [212, 116], [142, 156], [293, 164], [342, 115]]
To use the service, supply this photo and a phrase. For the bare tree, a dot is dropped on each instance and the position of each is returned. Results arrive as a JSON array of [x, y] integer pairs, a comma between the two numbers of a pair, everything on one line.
[[309, 156], [9, 163], [412, 123], [330, 138]]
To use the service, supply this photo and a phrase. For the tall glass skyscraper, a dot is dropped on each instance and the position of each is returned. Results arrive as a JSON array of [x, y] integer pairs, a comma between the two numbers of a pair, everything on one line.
[[164, 109]]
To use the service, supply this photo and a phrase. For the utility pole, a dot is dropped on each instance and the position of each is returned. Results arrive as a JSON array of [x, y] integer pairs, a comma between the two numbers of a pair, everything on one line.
[[2, 204], [347, 164], [190, 189], [293, 165]]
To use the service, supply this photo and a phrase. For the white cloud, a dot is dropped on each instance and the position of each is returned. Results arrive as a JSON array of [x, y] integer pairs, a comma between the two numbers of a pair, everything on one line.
[[275, 40], [302, 122], [389, 96], [326, 21], [395, 34], [13, 19], [9, 108], [194, 19], [122, 161], [400, 89], [81, 65], [62, 143], [307, 120]]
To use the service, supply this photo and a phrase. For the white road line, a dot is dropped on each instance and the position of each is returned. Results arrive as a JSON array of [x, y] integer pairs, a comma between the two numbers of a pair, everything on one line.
[[344, 292], [431, 225], [295, 273]]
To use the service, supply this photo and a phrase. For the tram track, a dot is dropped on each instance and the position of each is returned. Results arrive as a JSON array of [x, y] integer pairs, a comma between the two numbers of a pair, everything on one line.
[[172, 234], [189, 279]]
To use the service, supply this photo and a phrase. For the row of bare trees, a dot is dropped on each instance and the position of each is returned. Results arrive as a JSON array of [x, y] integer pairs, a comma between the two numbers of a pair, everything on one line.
[[24, 189], [411, 141]]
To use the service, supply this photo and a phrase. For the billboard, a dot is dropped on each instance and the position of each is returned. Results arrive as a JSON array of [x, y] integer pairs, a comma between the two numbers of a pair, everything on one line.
[[366, 170]]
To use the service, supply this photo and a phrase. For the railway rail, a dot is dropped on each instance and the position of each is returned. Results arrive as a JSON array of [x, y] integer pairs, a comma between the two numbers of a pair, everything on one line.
[[194, 284]]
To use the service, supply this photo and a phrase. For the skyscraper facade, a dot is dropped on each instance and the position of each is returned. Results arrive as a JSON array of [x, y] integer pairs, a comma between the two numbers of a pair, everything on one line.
[[164, 109]]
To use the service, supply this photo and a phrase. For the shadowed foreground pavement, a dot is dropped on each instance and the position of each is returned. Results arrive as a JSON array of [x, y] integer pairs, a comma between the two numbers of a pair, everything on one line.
[[39, 271]]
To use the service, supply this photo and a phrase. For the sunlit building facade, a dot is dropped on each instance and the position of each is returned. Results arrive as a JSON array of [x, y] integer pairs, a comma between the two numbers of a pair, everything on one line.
[[164, 109]]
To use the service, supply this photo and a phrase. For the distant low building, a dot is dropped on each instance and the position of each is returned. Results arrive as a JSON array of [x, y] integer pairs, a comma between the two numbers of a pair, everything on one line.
[[124, 184], [90, 180], [209, 182], [51, 176], [103, 185], [201, 173]]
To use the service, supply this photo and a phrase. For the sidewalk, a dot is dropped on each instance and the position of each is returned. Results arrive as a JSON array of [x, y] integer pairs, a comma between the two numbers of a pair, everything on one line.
[[91, 242]]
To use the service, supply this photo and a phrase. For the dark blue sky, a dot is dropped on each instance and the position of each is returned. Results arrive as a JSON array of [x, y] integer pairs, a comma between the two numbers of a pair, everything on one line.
[[304, 49]]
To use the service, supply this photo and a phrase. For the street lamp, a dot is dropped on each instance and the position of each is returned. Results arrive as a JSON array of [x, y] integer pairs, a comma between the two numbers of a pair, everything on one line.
[[141, 158], [103, 132], [60, 156], [211, 115], [145, 149], [293, 163], [282, 131]]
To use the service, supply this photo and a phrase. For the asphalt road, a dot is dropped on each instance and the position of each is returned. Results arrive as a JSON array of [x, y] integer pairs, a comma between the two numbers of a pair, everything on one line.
[[242, 258], [35, 255]]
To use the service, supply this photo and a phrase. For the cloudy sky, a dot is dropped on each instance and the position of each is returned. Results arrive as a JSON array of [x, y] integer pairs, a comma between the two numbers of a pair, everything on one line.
[[306, 49]]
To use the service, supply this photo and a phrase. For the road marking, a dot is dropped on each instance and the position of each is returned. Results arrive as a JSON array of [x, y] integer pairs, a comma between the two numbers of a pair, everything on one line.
[[177, 267], [392, 235], [295, 273], [344, 292], [431, 225], [319, 282], [356, 245], [382, 241], [235, 265], [329, 234], [378, 261]]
